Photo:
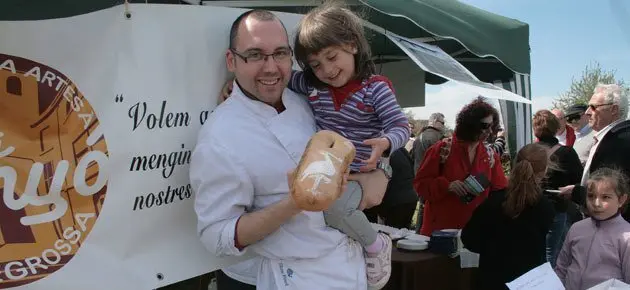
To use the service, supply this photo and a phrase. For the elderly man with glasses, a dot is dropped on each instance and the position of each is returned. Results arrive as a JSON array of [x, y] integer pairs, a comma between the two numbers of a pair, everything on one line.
[[578, 120], [428, 136], [607, 112]]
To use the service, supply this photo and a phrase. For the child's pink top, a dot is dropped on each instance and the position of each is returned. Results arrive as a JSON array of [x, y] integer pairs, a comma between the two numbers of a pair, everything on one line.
[[595, 251]]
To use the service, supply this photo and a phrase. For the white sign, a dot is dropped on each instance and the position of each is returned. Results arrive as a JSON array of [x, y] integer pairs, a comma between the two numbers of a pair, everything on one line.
[[542, 277], [611, 284], [100, 114], [434, 60]]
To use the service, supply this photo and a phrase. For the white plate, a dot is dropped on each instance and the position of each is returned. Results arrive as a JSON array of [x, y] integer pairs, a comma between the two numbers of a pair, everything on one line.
[[412, 245], [417, 238]]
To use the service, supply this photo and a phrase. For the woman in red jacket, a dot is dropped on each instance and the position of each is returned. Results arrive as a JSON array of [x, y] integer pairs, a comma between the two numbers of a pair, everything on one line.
[[457, 173]]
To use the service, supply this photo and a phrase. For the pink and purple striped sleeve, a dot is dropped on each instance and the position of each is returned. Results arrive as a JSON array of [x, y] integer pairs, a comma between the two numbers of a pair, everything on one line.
[[299, 84], [395, 123]]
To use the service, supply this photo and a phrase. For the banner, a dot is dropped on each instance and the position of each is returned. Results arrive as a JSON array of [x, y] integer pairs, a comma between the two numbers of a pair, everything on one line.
[[99, 116], [433, 59]]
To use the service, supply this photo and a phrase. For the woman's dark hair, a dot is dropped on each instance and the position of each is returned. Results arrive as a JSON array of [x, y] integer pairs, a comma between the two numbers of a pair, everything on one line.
[[331, 24], [468, 122], [545, 124]]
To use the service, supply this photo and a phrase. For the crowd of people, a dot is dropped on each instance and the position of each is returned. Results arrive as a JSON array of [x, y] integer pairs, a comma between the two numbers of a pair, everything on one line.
[[561, 203], [558, 206]]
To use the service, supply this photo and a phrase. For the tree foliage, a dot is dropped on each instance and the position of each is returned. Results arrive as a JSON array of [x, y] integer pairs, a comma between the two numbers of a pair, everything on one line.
[[581, 89]]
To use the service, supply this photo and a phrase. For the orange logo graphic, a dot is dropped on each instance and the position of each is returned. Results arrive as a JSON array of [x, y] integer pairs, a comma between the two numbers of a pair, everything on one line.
[[53, 170]]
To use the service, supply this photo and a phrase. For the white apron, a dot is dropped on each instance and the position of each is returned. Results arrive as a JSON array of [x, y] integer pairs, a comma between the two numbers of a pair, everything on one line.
[[305, 274]]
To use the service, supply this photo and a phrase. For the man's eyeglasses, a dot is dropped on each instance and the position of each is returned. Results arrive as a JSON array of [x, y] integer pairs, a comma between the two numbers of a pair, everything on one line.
[[595, 106], [258, 57]]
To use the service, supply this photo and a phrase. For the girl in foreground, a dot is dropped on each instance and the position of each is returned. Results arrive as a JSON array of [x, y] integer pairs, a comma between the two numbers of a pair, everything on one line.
[[347, 97], [598, 248], [509, 228]]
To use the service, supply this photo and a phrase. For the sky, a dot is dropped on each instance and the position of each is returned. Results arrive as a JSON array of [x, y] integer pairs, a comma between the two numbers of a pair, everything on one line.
[[565, 36]]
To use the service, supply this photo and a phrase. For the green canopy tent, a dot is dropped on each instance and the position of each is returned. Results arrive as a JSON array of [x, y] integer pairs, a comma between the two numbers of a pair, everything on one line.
[[494, 48]]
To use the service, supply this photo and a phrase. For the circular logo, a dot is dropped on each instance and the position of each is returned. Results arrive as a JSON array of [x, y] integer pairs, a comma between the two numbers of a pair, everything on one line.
[[53, 170]]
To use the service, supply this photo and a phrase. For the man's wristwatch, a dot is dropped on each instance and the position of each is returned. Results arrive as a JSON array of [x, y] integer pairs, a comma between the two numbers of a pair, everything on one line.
[[387, 169]]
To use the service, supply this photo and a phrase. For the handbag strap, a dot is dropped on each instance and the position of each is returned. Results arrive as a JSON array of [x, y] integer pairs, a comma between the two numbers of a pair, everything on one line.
[[553, 149]]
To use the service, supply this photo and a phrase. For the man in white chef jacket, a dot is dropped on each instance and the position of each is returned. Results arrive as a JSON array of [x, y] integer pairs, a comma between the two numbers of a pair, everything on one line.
[[239, 173]]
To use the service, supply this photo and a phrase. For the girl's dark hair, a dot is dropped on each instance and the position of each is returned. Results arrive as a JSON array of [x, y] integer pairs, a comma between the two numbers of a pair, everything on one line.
[[616, 177], [546, 124], [468, 121], [524, 187], [331, 24]]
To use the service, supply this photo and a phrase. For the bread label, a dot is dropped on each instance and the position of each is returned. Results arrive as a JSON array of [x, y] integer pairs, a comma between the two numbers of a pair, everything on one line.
[[53, 170], [321, 171]]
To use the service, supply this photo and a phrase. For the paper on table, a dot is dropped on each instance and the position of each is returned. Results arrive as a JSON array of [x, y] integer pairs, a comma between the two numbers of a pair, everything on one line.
[[542, 277], [468, 259], [612, 284]]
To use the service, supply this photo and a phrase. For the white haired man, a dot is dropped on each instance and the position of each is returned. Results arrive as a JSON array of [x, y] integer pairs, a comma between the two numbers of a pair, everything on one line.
[[578, 120], [428, 136], [607, 111]]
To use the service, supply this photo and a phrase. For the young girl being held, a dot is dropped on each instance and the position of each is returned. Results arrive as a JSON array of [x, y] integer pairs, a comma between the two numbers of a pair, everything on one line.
[[347, 97], [598, 248]]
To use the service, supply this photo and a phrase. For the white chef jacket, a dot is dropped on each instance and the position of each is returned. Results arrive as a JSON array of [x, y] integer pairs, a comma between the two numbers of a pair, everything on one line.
[[240, 164]]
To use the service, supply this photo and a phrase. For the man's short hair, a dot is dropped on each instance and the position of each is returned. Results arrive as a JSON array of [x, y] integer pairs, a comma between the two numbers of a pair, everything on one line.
[[258, 14], [559, 113], [435, 117]]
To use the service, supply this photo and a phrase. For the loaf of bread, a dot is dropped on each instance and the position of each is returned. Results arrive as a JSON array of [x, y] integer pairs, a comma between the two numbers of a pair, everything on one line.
[[318, 179]]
